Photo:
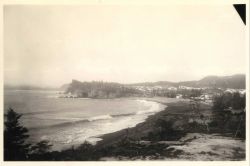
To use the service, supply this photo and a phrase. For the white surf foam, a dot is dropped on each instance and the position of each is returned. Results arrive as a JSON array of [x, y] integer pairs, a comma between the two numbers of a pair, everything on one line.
[[153, 107], [101, 117], [102, 124]]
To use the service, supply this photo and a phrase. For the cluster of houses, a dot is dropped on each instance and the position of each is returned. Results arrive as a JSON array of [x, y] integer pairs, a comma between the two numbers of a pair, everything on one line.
[[205, 94], [242, 92]]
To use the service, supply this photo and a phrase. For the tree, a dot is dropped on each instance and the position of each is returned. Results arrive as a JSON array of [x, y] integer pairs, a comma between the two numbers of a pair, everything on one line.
[[15, 135], [235, 100], [41, 151], [238, 102], [222, 102], [41, 147]]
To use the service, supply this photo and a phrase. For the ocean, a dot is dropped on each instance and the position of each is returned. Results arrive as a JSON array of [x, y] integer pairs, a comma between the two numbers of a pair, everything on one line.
[[67, 122]]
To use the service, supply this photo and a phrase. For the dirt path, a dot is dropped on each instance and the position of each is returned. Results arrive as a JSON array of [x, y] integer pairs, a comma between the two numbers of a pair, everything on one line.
[[209, 147]]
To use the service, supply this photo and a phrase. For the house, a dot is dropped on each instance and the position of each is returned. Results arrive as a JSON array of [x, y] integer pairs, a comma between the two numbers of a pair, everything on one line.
[[179, 96]]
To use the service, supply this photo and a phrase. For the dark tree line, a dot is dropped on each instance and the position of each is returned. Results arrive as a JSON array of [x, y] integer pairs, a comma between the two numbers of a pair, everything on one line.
[[227, 100], [229, 122]]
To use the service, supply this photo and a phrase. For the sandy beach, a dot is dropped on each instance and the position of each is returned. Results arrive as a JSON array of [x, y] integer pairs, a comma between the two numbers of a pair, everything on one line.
[[189, 142]]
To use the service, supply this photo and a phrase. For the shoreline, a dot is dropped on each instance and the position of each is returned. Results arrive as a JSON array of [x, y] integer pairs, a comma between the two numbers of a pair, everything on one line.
[[215, 144], [137, 117], [110, 138], [94, 140]]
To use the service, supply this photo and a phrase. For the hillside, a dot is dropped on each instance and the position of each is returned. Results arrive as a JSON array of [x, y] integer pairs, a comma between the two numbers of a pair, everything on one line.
[[234, 82]]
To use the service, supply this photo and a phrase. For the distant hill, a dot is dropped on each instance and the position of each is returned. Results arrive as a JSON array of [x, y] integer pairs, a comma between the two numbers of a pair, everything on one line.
[[235, 82]]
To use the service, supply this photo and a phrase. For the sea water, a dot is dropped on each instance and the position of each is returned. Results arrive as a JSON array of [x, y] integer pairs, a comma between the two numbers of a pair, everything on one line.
[[71, 121]]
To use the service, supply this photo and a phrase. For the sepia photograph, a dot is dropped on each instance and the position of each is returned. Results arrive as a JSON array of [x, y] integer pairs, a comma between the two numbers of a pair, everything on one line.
[[125, 82]]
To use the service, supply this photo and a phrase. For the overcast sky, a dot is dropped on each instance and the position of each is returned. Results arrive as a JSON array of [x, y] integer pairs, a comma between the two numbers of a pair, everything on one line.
[[51, 45]]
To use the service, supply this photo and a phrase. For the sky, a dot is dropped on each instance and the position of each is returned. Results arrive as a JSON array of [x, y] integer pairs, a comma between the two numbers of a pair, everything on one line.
[[51, 45]]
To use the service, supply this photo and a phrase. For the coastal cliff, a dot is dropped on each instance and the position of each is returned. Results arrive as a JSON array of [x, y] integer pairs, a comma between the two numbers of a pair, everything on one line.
[[99, 89]]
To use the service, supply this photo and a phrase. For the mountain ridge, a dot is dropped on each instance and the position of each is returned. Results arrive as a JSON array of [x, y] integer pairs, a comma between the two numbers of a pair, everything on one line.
[[236, 81]]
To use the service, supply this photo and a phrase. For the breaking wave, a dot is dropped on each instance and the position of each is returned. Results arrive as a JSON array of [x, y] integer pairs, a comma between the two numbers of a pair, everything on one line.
[[79, 129], [101, 117]]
